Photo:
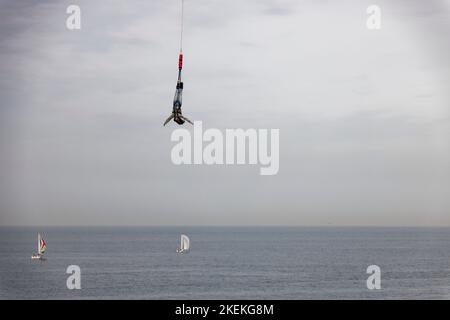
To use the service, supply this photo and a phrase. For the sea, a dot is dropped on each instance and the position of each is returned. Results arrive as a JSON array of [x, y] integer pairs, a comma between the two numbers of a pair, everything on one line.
[[226, 263]]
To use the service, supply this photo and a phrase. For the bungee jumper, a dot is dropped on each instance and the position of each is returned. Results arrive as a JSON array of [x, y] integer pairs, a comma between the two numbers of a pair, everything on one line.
[[176, 115]]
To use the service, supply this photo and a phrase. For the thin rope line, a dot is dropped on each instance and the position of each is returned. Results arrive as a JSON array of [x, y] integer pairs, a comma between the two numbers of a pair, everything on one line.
[[182, 15]]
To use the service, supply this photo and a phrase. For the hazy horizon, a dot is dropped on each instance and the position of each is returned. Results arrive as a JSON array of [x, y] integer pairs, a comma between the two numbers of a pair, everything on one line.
[[363, 114], [234, 226]]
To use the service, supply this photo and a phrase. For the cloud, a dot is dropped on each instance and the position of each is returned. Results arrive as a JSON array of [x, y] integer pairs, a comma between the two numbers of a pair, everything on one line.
[[363, 115]]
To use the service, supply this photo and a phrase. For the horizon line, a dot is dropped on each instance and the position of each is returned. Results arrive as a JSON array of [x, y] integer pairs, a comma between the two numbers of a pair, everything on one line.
[[224, 226]]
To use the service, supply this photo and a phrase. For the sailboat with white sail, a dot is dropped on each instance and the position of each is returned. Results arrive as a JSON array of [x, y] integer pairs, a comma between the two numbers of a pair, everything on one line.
[[184, 245], [42, 246]]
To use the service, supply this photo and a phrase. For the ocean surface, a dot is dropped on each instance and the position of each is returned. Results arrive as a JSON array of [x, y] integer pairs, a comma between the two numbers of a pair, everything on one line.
[[227, 263]]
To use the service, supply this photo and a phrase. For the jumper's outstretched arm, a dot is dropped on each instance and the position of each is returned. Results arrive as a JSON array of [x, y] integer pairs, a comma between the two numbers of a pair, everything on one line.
[[168, 119], [186, 119]]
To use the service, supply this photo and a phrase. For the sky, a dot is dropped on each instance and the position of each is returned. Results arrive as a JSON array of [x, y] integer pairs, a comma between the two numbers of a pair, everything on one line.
[[363, 114]]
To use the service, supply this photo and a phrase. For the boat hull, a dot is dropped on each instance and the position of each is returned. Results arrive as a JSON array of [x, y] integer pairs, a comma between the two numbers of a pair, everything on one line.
[[37, 257]]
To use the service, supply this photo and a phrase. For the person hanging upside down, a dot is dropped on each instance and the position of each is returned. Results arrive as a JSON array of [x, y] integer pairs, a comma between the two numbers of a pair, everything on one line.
[[176, 115]]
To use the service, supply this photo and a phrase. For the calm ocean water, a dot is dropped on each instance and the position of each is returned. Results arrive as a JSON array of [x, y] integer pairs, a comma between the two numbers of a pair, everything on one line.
[[227, 263]]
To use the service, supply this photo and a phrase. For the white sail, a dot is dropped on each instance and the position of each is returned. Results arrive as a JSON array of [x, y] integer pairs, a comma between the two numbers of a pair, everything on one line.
[[39, 244], [185, 243]]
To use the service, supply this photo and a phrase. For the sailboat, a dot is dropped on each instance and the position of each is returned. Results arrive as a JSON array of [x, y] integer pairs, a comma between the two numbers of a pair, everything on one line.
[[42, 246], [184, 245]]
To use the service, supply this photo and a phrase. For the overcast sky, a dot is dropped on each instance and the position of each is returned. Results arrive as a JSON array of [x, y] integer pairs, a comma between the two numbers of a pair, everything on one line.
[[363, 115]]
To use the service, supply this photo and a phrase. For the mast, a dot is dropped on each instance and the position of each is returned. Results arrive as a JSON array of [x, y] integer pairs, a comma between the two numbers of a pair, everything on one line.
[[39, 244]]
